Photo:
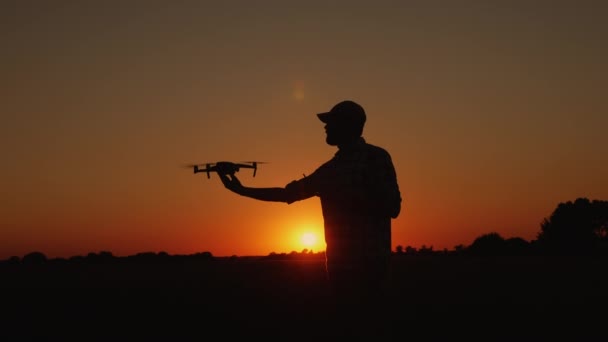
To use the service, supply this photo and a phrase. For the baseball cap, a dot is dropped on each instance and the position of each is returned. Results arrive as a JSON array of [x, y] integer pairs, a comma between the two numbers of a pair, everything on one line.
[[345, 112]]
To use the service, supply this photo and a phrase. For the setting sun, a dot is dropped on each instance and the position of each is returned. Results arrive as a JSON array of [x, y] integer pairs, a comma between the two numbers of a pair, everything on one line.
[[309, 239], [312, 241]]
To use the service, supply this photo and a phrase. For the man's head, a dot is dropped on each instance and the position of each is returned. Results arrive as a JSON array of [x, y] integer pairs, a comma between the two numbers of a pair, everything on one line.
[[344, 122]]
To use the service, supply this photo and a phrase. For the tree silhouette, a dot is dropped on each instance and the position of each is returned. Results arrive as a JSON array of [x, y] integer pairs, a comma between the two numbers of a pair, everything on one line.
[[488, 244], [34, 258], [578, 227], [517, 246]]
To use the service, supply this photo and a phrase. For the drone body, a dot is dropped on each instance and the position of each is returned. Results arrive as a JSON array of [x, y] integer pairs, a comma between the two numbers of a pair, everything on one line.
[[224, 167]]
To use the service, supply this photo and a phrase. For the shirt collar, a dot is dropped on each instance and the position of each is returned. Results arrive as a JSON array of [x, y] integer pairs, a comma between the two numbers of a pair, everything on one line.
[[350, 148]]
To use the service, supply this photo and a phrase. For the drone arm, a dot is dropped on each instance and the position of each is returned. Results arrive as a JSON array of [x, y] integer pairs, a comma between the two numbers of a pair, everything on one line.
[[208, 169]]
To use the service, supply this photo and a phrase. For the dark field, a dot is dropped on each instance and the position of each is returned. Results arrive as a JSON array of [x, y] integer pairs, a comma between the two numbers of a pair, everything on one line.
[[435, 297]]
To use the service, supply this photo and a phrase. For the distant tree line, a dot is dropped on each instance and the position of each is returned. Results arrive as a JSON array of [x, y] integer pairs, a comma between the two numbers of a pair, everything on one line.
[[577, 227], [106, 257], [305, 254]]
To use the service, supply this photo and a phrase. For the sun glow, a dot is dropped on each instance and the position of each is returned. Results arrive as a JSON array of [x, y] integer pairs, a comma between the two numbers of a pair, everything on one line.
[[305, 231], [309, 237]]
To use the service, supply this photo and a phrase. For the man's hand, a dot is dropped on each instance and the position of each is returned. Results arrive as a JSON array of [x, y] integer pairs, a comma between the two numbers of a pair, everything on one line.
[[231, 182], [263, 194]]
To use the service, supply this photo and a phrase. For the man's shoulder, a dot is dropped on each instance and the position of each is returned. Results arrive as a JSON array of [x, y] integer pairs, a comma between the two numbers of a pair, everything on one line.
[[374, 147], [376, 150]]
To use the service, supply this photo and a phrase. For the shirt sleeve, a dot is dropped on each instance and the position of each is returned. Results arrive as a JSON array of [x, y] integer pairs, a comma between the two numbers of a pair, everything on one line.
[[385, 193], [392, 188], [303, 188]]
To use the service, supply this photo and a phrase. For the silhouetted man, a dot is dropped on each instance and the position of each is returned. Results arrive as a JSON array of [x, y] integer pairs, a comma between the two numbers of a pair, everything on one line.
[[359, 197]]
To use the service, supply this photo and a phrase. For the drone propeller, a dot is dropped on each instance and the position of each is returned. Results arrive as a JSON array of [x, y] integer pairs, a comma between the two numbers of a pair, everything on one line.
[[254, 162], [197, 164]]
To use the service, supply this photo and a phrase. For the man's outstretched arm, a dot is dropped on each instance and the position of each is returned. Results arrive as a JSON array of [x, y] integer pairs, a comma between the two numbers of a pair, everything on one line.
[[263, 194]]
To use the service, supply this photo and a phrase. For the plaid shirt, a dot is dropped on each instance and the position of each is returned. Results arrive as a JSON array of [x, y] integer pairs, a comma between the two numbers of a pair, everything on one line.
[[359, 197]]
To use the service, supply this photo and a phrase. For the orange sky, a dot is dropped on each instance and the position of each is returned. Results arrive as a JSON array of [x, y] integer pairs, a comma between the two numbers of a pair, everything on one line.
[[494, 112]]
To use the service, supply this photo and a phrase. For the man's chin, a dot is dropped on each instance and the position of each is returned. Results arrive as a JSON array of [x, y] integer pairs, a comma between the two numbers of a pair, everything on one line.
[[330, 142]]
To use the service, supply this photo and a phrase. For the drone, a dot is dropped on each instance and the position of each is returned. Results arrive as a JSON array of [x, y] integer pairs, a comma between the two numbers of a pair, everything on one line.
[[225, 167]]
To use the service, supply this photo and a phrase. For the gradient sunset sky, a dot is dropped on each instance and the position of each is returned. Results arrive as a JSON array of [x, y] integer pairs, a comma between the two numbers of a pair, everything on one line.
[[493, 111]]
